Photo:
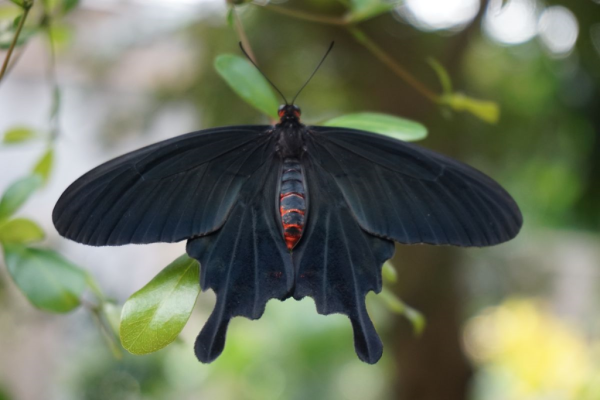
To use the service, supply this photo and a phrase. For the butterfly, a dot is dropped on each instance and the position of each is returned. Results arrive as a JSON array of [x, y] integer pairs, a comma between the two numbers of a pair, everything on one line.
[[287, 210]]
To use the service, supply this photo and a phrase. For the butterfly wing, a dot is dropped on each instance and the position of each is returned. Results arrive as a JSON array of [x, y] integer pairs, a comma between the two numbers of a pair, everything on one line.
[[246, 262], [401, 191], [166, 192], [337, 263]]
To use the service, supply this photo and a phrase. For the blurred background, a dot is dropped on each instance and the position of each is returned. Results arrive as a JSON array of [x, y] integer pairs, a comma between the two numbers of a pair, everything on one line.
[[519, 321]]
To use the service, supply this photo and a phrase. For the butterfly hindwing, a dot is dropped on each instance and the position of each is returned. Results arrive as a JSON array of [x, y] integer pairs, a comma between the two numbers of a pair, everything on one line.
[[165, 192], [246, 262], [404, 192], [337, 263]]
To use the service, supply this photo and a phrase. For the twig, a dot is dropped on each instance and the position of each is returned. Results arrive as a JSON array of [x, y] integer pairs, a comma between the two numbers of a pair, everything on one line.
[[26, 7], [364, 40]]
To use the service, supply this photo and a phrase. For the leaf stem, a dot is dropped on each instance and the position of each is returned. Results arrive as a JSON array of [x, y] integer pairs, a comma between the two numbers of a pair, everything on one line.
[[239, 28], [26, 7]]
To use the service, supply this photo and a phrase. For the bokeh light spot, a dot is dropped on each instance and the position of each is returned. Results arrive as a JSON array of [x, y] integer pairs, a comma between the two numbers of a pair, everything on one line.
[[558, 30], [512, 23], [431, 15]]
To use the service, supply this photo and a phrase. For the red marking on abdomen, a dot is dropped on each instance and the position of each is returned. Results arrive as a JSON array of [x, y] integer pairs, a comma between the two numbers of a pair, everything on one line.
[[292, 203]]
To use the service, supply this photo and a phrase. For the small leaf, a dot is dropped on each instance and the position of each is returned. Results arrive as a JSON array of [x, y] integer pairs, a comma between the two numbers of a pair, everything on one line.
[[26, 34], [364, 9], [18, 134], [44, 165], [49, 281], [17, 194], [20, 230], [61, 35], [69, 5], [487, 111], [442, 74], [396, 305], [154, 316], [384, 124], [230, 17], [17, 2], [248, 83], [389, 272]]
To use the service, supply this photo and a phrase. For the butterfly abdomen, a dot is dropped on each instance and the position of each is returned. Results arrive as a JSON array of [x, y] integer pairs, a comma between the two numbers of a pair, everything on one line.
[[292, 202]]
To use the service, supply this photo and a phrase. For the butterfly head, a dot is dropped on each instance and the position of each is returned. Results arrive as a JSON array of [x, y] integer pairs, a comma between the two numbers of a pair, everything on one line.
[[289, 112]]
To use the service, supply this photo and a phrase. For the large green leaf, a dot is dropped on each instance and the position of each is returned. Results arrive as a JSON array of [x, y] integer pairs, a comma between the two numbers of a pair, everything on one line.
[[20, 230], [384, 124], [154, 316], [49, 281], [17, 194], [248, 83]]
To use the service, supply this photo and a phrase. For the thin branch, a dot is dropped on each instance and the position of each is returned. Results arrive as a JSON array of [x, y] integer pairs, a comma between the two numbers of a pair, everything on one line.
[[239, 28], [363, 39], [306, 16], [13, 44], [393, 65]]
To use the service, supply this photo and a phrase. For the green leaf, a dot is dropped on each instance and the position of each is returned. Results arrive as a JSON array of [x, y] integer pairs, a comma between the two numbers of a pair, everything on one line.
[[364, 9], [154, 316], [384, 124], [49, 281], [487, 111], [44, 165], [20, 230], [17, 194], [17, 2], [399, 307], [248, 83], [389, 272], [26, 34], [442, 74], [69, 5], [18, 134]]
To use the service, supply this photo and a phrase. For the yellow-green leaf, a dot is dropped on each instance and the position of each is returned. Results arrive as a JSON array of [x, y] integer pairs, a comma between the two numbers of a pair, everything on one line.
[[18, 134], [364, 9], [396, 305], [20, 230], [50, 282], [17, 194], [154, 316], [487, 111], [44, 165], [389, 272], [248, 83], [384, 124]]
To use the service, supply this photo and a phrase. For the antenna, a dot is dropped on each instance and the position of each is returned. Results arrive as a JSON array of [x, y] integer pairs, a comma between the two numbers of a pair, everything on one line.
[[314, 72], [263, 74]]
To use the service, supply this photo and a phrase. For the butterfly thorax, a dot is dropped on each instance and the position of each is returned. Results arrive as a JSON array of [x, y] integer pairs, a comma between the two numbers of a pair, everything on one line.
[[290, 131]]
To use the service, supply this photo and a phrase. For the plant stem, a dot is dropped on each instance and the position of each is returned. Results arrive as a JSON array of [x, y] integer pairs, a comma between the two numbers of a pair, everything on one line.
[[26, 8], [363, 39], [239, 28], [393, 65], [306, 16]]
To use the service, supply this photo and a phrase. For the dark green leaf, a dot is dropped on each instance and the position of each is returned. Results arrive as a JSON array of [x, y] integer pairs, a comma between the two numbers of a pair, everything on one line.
[[248, 83], [384, 124], [154, 316], [68, 5], [49, 281], [20, 230], [17, 194], [399, 307], [44, 165], [18, 134]]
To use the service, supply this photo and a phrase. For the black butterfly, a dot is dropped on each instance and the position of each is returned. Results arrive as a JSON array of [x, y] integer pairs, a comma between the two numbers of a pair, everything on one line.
[[287, 211]]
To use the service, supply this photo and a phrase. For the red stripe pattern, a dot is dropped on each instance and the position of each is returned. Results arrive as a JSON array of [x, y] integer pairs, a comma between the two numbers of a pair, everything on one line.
[[292, 203]]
